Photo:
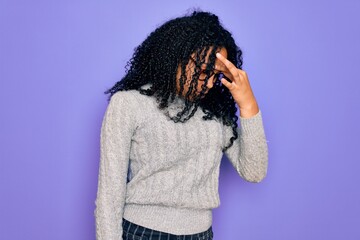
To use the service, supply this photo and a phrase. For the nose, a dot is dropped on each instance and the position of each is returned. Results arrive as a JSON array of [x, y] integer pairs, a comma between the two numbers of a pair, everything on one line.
[[211, 81]]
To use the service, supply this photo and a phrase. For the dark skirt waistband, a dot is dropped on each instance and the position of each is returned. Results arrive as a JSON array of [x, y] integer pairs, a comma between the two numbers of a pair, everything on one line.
[[138, 232]]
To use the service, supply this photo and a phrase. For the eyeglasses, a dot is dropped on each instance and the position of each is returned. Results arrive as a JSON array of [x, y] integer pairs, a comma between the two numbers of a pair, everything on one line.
[[206, 72]]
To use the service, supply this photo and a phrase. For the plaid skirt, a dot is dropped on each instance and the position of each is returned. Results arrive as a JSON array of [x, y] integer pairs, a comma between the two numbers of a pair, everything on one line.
[[132, 231]]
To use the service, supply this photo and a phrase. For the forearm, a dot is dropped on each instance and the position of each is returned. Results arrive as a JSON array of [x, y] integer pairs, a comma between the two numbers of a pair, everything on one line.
[[118, 126], [249, 110], [249, 153]]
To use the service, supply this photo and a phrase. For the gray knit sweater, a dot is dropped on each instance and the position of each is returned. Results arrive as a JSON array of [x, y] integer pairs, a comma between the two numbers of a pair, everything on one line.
[[164, 175]]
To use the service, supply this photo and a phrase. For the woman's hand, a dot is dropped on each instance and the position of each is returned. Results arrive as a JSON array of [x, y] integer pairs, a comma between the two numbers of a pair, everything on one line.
[[239, 88]]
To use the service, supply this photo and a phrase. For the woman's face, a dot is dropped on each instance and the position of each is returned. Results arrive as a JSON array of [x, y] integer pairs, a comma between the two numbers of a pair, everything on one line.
[[190, 68]]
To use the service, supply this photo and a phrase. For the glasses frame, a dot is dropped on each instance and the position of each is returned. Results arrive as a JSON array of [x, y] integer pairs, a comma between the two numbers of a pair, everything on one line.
[[205, 71]]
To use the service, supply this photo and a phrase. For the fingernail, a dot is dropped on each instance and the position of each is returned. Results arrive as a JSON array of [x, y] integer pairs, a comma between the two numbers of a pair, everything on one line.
[[218, 54]]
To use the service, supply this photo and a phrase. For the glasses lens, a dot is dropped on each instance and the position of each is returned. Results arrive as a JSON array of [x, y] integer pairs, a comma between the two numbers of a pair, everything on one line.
[[204, 73]]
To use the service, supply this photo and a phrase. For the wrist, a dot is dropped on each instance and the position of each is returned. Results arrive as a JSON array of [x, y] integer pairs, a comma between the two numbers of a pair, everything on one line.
[[249, 110]]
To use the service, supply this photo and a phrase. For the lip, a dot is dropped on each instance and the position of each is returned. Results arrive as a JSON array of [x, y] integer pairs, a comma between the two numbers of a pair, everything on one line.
[[207, 90]]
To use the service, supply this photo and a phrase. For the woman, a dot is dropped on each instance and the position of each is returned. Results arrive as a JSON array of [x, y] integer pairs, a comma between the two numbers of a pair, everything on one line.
[[169, 121]]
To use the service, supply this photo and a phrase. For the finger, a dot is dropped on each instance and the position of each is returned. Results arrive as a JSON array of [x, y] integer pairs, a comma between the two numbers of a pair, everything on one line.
[[227, 84], [238, 78], [229, 65], [228, 76], [221, 69], [223, 73]]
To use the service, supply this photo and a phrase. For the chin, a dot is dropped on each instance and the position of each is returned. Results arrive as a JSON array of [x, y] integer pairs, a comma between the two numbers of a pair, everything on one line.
[[203, 95]]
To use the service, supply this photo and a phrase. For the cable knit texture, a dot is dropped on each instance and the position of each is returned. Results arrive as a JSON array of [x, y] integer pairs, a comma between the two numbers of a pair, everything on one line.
[[164, 175]]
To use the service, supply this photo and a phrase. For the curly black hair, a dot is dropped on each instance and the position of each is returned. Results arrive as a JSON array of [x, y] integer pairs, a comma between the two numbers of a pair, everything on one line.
[[171, 45]]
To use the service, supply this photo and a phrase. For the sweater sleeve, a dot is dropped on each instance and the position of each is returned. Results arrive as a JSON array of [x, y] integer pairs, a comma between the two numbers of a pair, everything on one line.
[[116, 132], [249, 152]]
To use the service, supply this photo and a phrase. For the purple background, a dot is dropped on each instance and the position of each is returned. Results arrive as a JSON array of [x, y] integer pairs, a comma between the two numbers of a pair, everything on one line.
[[302, 57]]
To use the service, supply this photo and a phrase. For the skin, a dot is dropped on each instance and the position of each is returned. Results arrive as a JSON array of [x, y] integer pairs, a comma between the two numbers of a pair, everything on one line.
[[240, 87], [190, 70]]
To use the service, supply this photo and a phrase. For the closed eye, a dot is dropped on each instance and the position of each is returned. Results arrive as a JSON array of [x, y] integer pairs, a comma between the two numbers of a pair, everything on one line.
[[207, 72]]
